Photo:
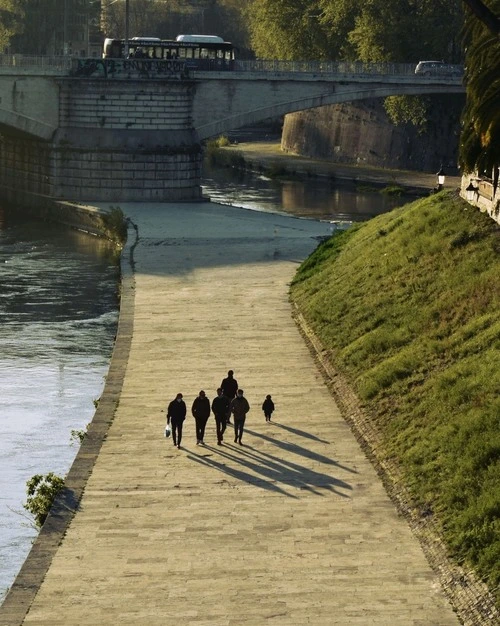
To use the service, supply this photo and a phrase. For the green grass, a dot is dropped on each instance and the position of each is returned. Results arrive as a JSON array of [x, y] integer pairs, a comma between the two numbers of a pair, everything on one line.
[[409, 305]]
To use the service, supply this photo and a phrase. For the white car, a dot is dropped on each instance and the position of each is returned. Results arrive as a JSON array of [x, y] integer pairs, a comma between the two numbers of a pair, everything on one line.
[[438, 68]]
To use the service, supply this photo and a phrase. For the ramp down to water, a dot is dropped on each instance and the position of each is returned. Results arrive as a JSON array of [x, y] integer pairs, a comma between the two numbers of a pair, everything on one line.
[[293, 527]]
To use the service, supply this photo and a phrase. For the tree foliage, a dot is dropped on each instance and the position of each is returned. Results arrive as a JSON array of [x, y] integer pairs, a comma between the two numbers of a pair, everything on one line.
[[289, 30], [12, 14], [407, 110], [480, 138], [373, 30]]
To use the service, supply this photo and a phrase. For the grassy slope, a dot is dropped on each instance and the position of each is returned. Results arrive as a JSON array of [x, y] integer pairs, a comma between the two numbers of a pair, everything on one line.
[[409, 304]]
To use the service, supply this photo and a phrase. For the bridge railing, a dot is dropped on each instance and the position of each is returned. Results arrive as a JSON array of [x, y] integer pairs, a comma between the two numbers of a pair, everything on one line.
[[40, 63], [67, 64], [326, 67]]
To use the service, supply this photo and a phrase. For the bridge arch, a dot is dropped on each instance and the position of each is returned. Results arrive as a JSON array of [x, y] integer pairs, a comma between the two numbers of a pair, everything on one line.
[[340, 93], [236, 110]]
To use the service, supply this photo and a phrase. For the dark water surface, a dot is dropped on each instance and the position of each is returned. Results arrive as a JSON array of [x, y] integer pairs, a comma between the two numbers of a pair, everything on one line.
[[58, 317], [313, 198]]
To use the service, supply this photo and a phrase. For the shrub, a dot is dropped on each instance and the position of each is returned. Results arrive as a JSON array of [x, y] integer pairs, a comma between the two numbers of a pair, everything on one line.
[[41, 491]]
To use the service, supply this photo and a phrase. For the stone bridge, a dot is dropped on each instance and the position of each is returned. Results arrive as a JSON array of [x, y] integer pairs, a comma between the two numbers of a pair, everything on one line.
[[133, 130]]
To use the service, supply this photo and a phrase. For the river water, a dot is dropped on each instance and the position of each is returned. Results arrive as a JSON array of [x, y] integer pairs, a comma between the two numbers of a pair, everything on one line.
[[58, 318], [312, 198]]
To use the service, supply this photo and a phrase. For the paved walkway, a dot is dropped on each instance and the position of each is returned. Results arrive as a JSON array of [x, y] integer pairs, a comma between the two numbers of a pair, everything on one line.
[[293, 527]]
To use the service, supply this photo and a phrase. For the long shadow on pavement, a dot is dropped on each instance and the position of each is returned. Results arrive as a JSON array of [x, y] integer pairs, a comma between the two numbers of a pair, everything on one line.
[[296, 449], [274, 470], [296, 431]]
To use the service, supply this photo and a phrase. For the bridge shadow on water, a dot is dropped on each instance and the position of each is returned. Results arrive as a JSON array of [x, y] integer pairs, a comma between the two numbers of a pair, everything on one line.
[[271, 472]]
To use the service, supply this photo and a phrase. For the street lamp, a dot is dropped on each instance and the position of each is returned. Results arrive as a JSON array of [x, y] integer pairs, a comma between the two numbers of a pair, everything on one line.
[[440, 177], [470, 192]]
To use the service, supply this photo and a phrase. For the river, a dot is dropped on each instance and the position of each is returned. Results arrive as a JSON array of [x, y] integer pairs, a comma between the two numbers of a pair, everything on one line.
[[58, 317]]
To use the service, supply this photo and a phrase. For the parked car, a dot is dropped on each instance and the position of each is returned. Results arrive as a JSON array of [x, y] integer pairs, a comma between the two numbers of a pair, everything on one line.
[[438, 68]]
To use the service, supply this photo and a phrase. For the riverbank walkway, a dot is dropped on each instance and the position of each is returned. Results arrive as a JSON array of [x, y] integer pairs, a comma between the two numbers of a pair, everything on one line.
[[291, 528]]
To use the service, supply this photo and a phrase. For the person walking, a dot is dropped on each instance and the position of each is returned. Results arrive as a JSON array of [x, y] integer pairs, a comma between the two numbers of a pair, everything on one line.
[[220, 408], [239, 408], [176, 414], [229, 386], [268, 407], [201, 413]]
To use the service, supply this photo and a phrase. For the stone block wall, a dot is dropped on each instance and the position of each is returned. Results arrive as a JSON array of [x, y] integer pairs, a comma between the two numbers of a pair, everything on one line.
[[117, 141], [127, 141], [361, 133], [133, 104], [26, 168]]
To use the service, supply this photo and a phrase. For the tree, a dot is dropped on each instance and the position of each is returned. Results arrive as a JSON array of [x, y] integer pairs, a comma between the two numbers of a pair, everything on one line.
[[480, 137], [288, 30], [483, 13], [11, 20]]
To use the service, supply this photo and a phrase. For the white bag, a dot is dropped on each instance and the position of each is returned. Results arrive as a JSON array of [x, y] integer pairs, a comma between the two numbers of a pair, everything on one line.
[[168, 430]]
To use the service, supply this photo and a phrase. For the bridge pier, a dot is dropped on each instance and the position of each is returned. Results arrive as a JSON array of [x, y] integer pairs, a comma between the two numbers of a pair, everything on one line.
[[117, 141], [127, 165]]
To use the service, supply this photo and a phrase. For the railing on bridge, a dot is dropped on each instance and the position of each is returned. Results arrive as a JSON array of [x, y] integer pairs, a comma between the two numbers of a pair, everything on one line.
[[325, 67], [41, 63], [154, 67]]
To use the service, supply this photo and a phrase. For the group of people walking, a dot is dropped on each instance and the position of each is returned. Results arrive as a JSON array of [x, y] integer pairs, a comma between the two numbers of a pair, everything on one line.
[[229, 401]]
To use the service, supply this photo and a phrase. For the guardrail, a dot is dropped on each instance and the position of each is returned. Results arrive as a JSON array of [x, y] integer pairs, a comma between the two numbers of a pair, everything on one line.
[[75, 65], [325, 67], [29, 62], [342, 67]]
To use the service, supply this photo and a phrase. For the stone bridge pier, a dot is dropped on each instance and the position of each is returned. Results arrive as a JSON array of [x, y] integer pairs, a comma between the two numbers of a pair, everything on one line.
[[115, 141]]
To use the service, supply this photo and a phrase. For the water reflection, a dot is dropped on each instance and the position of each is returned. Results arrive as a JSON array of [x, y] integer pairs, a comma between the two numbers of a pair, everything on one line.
[[313, 198]]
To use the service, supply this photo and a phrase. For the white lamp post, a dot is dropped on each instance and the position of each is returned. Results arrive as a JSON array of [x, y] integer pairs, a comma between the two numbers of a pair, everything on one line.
[[440, 176]]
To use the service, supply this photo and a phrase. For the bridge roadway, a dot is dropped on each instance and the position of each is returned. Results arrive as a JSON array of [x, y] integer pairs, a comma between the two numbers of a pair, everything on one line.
[[292, 528]]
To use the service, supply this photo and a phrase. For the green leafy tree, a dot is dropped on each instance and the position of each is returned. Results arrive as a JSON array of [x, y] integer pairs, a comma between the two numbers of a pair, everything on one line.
[[41, 491], [11, 20], [288, 30], [407, 110], [372, 30], [338, 18]]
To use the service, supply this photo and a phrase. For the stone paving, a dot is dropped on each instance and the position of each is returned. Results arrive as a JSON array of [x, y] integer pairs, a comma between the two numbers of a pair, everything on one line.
[[293, 527]]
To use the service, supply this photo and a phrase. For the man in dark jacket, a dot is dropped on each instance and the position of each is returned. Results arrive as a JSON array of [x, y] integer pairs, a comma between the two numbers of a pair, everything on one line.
[[201, 413], [239, 408], [176, 414], [220, 408], [229, 387]]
